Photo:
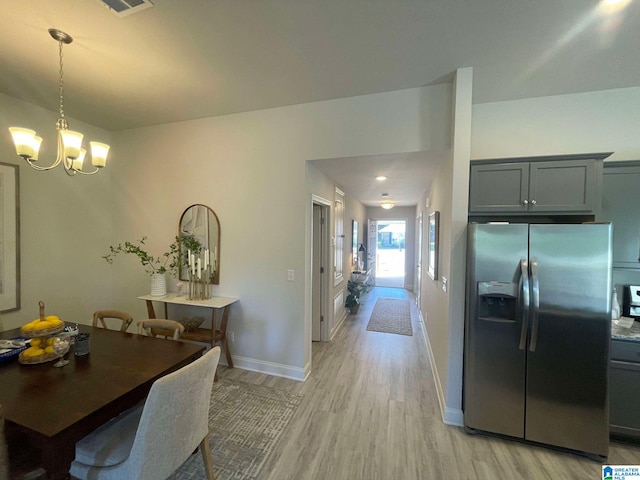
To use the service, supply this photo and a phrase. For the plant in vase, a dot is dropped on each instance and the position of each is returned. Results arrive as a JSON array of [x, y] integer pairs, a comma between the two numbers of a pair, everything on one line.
[[155, 266], [353, 299]]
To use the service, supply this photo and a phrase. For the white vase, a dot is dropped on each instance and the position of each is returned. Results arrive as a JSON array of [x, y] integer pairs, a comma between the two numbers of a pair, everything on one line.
[[158, 284]]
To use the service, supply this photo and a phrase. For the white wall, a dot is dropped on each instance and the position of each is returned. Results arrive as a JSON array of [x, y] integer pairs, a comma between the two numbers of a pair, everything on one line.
[[63, 223], [443, 312], [250, 168], [603, 121]]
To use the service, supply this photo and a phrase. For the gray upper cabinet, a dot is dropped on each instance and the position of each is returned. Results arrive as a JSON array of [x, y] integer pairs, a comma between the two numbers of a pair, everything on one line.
[[620, 201], [557, 185]]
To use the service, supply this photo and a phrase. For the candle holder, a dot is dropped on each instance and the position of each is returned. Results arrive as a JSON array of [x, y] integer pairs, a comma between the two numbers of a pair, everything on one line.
[[199, 287]]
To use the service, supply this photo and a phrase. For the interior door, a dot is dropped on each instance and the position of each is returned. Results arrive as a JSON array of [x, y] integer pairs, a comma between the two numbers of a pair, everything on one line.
[[317, 275]]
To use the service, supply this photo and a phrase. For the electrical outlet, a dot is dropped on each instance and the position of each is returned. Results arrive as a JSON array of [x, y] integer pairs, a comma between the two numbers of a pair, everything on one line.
[[290, 276], [444, 284], [231, 337]]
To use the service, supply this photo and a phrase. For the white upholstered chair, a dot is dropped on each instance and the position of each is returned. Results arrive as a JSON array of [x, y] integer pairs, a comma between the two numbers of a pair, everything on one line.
[[151, 441]]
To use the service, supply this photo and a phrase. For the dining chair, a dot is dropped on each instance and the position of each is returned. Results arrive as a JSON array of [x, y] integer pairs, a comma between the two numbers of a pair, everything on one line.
[[151, 441], [156, 327], [100, 315]]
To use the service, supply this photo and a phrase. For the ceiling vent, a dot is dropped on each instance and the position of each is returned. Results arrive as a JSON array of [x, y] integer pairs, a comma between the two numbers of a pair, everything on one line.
[[122, 8]]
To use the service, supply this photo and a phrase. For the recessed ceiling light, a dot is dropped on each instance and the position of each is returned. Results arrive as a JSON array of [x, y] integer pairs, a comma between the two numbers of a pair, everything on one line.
[[381, 178]]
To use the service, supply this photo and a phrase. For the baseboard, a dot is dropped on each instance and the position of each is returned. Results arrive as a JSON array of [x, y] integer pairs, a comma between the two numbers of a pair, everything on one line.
[[453, 416], [444, 411], [270, 368]]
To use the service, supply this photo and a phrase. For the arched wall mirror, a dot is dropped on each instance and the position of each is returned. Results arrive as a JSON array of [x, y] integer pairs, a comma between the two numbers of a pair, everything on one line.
[[199, 229]]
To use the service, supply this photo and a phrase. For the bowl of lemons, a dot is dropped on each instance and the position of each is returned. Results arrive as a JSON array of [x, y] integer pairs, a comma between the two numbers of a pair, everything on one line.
[[40, 332]]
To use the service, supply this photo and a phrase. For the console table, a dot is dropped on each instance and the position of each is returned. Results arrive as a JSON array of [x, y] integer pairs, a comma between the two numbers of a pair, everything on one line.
[[205, 335]]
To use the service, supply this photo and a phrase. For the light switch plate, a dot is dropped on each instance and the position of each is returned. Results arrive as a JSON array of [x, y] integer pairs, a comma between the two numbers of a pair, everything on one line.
[[444, 284], [290, 276]]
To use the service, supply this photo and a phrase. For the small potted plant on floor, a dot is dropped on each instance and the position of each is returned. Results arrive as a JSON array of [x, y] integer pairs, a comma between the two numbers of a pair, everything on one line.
[[353, 299]]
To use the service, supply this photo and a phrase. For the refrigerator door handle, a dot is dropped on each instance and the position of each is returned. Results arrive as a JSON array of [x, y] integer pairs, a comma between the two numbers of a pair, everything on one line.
[[535, 290], [524, 270]]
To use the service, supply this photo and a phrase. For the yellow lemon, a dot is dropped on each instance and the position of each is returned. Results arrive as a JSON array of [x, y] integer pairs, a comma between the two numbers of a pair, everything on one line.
[[49, 341], [49, 349], [35, 342], [54, 319], [42, 325], [33, 352], [31, 325]]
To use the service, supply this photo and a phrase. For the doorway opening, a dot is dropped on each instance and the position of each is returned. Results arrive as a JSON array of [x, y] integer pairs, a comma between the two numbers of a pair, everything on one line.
[[390, 253]]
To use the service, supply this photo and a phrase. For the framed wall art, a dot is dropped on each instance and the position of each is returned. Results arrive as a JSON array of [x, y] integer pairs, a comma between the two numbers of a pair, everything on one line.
[[9, 238], [432, 257]]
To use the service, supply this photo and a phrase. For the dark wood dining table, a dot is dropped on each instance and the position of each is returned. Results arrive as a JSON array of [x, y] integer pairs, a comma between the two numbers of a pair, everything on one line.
[[47, 409]]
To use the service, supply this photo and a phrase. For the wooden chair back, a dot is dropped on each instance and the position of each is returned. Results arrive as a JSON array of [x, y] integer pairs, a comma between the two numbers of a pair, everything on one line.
[[100, 315], [161, 328]]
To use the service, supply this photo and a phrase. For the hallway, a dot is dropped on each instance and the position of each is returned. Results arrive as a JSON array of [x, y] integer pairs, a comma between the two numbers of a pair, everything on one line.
[[371, 412]]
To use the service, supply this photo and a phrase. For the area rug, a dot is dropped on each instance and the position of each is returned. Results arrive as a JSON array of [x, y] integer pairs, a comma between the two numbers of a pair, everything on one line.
[[391, 315], [245, 422]]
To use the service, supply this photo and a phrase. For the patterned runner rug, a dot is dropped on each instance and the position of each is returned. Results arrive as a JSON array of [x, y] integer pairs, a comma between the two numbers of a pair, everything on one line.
[[245, 423], [391, 315]]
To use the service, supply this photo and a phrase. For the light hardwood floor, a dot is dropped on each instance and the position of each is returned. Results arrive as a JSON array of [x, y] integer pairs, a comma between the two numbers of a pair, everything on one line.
[[371, 412]]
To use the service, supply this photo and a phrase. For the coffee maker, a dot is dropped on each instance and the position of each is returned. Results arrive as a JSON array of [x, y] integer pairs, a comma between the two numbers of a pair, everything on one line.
[[631, 301]]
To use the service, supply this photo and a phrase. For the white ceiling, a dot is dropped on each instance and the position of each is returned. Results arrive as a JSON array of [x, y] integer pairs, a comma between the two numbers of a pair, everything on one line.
[[185, 59]]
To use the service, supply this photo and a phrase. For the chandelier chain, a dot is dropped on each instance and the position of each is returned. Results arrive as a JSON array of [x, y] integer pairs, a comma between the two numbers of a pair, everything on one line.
[[61, 82]]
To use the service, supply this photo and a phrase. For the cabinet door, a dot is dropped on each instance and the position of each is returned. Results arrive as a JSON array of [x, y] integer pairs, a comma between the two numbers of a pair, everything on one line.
[[499, 188], [621, 205], [624, 388], [563, 186]]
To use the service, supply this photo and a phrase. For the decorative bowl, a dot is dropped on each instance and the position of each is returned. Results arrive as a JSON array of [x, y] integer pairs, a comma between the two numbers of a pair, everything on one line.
[[191, 324]]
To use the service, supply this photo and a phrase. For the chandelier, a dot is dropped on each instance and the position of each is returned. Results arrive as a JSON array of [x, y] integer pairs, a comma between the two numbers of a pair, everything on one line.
[[70, 151], [386, 203]]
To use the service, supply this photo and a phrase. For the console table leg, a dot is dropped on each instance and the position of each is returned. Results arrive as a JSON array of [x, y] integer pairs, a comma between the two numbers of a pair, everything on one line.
[[150, 311], [223, 336]]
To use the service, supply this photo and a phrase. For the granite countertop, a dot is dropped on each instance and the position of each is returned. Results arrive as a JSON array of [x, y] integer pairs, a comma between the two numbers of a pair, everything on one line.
[[629, 334]]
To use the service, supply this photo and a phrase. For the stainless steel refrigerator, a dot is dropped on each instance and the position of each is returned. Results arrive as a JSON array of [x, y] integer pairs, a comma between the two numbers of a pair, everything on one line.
[[537, 333]]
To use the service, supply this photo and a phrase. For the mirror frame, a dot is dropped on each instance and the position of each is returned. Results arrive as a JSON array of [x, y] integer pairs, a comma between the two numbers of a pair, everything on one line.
[[211, 215]]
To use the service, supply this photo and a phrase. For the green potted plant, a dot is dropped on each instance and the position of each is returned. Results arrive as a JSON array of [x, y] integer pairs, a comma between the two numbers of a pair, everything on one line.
[[353, 299], [156, 267]]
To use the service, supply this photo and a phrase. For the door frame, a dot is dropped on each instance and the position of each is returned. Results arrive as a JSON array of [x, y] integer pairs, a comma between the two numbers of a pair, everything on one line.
[[418, 280], [323, 288]]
